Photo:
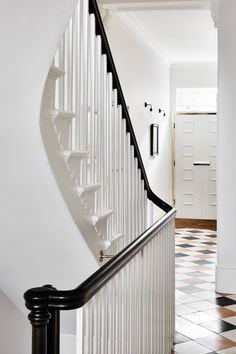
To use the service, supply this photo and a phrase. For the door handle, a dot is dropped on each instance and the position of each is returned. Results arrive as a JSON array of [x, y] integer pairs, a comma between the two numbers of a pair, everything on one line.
[[200, 163]]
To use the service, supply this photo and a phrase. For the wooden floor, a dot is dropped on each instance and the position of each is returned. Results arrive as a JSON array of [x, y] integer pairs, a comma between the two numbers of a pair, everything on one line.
[[196, 224]]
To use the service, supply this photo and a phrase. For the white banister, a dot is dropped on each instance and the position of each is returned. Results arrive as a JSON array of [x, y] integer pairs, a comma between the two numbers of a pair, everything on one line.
[[98, 129], [133, 312]]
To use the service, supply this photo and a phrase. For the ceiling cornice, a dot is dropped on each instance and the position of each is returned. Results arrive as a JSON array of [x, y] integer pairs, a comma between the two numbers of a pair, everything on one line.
[[214, 6], [106, 16], [135, 5]]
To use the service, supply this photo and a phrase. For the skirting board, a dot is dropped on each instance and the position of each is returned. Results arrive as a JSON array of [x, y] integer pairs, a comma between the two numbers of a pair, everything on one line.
[[225, 280], [196, 224]]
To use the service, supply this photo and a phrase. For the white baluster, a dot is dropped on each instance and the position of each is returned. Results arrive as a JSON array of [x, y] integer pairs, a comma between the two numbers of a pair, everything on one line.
[[91, 95], [77, 58], [109, 150], [79, 331], [119, 185], [124, 183], [61, 103], [98, 125]]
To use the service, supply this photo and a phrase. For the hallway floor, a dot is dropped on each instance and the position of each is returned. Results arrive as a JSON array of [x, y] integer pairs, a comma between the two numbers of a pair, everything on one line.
[[205, 321]]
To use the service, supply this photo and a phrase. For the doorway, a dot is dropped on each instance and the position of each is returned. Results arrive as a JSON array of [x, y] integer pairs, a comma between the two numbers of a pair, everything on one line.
[[195, 166]]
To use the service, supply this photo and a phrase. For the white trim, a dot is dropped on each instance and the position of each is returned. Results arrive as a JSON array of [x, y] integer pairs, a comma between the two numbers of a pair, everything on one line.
[[106, 16], [155, 5], [214, 7], [225, 280]]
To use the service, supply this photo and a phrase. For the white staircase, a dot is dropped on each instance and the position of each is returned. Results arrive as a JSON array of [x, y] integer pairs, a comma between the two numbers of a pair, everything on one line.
[[126, 306], [85, 136]]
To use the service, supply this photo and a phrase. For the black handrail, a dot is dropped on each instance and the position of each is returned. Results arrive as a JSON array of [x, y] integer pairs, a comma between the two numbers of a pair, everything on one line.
[[100, 31], [46, 302], [78, 297]]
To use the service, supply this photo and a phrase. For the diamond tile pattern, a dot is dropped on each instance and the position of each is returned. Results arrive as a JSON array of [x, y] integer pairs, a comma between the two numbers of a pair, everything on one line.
[[205, 320]]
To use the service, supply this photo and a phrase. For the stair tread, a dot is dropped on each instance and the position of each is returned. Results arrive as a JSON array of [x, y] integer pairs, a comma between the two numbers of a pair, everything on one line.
[[108, 243], [75, 154], [62, 115], [87, 188], [55, 72], [115, 237], [100, 216]]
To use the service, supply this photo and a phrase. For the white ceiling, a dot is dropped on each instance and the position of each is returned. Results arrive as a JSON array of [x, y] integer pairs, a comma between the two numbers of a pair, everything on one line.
[[182, 29]]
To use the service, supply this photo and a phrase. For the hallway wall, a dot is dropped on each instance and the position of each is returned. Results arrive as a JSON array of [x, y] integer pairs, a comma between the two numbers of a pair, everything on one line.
[[144, 76], [226, 265], [14, 328]]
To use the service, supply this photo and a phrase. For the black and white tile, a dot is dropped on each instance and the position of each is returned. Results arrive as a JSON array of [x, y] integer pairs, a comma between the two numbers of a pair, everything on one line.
[[205, 320]]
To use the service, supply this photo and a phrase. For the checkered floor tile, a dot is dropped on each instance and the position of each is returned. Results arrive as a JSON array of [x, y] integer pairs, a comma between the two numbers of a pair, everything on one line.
[[205, 320]]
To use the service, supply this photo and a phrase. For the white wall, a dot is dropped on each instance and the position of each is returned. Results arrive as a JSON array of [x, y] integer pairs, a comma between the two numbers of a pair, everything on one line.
[[14, 329], [191, 75], [144, 76], [39, 241], [67, 344], [226, 267]]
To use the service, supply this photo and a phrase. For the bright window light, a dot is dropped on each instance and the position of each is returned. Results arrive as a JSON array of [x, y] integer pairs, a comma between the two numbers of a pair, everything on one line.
[[196, 99]]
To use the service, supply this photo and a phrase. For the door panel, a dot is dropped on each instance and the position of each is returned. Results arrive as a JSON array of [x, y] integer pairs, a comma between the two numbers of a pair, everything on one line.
[[195, 166]]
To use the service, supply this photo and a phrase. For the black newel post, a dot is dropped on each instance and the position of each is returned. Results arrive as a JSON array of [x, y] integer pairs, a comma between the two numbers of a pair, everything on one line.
[[45, 324], [53, 345], [39, 320], [53, 330]]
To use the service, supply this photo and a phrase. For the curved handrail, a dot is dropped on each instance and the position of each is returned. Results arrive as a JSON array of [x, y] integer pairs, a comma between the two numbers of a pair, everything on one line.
[[93, 9], [47, 297]]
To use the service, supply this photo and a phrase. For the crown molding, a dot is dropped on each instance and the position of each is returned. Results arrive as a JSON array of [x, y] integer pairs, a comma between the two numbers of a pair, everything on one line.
[[154, 5], [106, 15], [214, 7]]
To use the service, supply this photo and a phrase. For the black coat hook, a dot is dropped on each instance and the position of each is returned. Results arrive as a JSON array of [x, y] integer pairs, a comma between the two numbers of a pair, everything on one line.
[[162, 110], [147, 105]]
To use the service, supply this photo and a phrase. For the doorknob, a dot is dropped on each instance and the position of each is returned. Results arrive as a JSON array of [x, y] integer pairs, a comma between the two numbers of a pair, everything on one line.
[[199, 163]]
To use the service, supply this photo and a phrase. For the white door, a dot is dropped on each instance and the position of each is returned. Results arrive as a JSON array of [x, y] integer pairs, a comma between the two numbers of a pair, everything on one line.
[[195, 166]]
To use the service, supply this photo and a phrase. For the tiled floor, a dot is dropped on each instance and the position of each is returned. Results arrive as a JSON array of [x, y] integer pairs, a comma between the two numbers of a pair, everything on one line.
[[205, 321]]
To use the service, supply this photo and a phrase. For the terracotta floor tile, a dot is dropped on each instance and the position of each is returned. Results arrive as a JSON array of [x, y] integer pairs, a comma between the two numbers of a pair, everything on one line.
[[220, 312], [216, 342], [182, 250], [231, 350], [203, 256], [231, 335]]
